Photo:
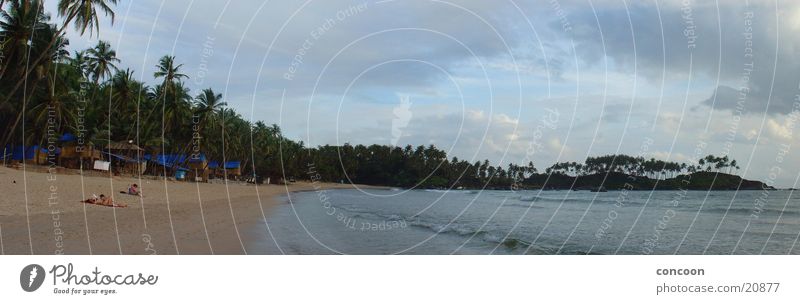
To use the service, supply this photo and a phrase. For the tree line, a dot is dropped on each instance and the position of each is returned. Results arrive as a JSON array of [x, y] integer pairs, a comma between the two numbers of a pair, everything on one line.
[[86, 92], [45, 89], [639, 166]]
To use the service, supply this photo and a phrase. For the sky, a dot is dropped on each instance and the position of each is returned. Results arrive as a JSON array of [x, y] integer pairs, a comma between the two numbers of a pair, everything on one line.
[[508, 81]]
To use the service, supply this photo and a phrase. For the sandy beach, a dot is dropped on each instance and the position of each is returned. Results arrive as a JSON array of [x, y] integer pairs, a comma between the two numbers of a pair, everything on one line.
[[171, 217]]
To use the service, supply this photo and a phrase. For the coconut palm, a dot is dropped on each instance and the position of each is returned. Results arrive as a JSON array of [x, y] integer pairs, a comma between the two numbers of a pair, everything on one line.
[[171, 94], [125, 89], [13, 26], [209, 103], [101, 61], [18, 24], [82, 13], [176, 108], [80, 63], [169, 72]]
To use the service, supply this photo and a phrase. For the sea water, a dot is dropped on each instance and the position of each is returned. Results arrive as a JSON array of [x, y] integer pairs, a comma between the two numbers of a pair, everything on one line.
[[531, 222]]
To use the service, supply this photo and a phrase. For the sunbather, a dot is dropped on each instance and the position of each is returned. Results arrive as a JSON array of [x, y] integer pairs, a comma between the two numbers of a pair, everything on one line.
[[103, 201], [134, 190], [91, 200], [108, 201]]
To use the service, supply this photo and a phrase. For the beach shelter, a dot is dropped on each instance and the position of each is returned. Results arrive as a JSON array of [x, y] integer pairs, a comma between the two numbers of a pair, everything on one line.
[[21, 153], [233, 168], [76, 154], [169, 163], [214, 169], [126, 157], [31, 154], [198, 167]]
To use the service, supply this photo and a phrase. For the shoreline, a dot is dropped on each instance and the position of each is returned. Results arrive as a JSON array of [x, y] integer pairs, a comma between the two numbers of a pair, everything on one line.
[[172, 217]]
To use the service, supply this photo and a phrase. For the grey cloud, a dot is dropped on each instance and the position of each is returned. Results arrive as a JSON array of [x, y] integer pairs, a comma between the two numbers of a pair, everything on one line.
[[717, 49]]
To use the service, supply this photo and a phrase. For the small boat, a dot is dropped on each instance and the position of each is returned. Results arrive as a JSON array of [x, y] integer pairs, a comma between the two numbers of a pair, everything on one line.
[[599, 189]]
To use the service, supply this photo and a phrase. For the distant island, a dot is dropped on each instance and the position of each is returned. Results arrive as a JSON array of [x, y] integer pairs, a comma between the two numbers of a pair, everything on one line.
[[429, 168], [618, 181]]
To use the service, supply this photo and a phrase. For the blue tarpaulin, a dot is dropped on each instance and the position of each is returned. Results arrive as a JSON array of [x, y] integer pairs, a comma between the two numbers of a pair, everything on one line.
[[168, 160], [197, 159], [68, 137], [234, 164], [16, 153]]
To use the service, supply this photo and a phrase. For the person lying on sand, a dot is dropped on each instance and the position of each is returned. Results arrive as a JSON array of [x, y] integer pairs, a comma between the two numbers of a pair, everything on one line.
[[108, 201], [104, 201], [91, 200]]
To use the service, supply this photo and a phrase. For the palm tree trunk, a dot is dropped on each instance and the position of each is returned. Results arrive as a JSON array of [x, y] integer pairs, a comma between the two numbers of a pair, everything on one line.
[[38, 60], [13, 128]]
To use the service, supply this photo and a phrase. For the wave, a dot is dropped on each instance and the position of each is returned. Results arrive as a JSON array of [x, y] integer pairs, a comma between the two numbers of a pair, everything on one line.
[[572, 200], [354, 209], [463, 230], [367, 214], [436, 190], [518, 205], [508, 242], [459, 229], [476, 232], [748, 211], [452, 191]]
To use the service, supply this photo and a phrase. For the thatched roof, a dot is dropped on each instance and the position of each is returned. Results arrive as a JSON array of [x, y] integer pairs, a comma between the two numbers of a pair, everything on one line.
[[123, 146]]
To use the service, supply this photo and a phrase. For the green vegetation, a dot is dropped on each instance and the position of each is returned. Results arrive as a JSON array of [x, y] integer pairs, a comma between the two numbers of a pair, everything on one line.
[[45, 90]]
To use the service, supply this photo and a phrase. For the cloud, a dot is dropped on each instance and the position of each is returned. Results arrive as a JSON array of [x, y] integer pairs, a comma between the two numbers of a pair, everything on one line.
[[732, 44], [628, 77]]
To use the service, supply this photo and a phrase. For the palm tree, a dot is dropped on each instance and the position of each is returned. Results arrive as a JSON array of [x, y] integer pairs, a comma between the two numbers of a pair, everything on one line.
[[209, 107], [126, 92], [83, 13], [172, 95], [175, 108], [80, 63], [53, 104], [209, 103], [26, 18], [733, 165], [171, 75], [125, 89], [18, 24], [101, 61]]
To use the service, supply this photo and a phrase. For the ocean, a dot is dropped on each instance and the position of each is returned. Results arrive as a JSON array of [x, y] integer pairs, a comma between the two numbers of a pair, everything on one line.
[[401, 221]]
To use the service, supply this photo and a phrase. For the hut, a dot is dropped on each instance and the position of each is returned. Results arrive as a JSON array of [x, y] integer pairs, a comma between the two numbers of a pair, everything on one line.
[[198, 168], [169, 164], [126, 157], [233, 169], [74, 155], [29, 154], [46, 157], [214, 169]]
